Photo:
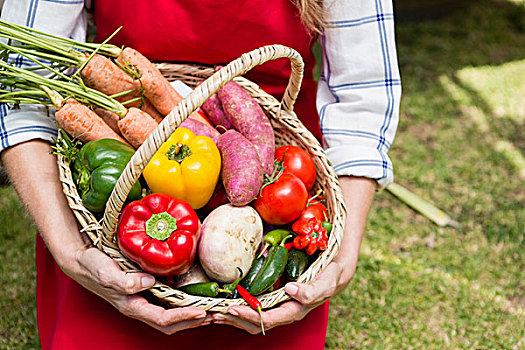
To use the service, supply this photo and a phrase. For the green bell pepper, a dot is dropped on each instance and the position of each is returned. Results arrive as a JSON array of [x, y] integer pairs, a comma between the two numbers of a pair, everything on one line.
[[96, 170]]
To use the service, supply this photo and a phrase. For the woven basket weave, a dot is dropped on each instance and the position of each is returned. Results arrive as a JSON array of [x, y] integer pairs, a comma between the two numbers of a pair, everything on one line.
[[288, 130]]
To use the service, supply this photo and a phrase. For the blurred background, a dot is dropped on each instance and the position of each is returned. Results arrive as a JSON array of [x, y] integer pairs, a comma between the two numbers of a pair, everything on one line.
[[460, 145]]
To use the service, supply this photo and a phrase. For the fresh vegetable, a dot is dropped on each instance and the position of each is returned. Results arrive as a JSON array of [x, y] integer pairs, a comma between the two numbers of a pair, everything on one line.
[[157, 89], [327, 226], [297, 262], [253, 302], [231, 287], [84, 124], [272, 269], [213, 109], [200, 128], [274, 238], [298, 162], [194, 275], [230, 238], [136, 126], [247, 281], [314, 208], [282, 198], [96, 170], [159, 233], [311, 235], [217, 199], [248, 118], [185, 166], [242, 174], [205, 289]]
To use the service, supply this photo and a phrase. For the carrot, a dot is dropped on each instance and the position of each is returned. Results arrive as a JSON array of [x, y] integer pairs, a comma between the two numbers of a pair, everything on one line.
[[136, 126], [82, 123], [110, 118], [151, 110], [157, 89], [105, 76]]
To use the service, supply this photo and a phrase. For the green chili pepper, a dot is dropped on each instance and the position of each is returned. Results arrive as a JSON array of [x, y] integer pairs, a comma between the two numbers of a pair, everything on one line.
[[232, 287], [297, 262], [254, 269], [272, 269], [205, 289], [274, 238], [328, 226]]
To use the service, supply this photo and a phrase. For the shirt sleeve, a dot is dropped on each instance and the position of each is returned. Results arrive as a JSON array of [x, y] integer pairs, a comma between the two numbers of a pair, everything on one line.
[[64, 18], [359, 89]]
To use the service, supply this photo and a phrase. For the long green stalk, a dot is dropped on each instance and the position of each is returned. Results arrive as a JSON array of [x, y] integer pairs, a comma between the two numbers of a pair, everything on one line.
[[54, 43], [422, 206], [24, 77]]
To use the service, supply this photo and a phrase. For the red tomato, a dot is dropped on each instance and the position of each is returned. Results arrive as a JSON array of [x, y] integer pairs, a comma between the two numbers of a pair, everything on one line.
[[298, 162], [282, 201], [314, 209]]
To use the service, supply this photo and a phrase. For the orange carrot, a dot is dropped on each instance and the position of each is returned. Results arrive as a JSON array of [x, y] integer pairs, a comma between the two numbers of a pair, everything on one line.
[[82, 123], [136, 126], [157, 89], [151, 110], [105, 76], [110, 118]]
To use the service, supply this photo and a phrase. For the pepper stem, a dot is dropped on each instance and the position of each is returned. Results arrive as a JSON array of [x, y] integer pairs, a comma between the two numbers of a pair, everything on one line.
[[160, 226], [178, 152], [259, 310]]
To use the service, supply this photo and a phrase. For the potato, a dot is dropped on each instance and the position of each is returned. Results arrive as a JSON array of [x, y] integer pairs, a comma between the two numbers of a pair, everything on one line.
[[230, 237]]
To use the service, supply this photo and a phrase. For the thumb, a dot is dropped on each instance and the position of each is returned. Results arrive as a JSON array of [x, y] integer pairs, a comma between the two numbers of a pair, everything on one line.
[[323, 287], [137, 282], [306, 294]]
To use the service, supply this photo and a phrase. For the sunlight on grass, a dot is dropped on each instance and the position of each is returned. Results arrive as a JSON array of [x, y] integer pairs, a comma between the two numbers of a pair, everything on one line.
[[492, 97]]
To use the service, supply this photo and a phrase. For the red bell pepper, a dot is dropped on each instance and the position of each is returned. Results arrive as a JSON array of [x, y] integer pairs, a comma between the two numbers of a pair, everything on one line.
[[311, 235], [160, 233]]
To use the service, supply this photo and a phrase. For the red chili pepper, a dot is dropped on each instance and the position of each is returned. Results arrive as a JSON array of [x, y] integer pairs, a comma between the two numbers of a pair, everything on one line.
[[311, 235], [253, 302], [289, 245]]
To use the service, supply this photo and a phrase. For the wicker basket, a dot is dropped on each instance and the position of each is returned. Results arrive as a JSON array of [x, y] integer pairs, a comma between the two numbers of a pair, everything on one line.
[[288, 130]]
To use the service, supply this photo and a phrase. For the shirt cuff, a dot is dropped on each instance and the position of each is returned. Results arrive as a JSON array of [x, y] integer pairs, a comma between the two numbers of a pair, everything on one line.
[[361, 161], [30, 122]]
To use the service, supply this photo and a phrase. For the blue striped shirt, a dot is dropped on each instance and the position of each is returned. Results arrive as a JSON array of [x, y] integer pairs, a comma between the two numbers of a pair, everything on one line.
[[358, 93]]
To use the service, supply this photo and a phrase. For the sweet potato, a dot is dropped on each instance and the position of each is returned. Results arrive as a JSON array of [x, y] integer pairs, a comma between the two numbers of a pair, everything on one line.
[[215, 113], [199, 128], [248, 118], [242, 172]]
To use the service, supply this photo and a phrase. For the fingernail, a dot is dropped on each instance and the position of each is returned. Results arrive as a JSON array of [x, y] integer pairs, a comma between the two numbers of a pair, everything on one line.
[[233, 312], [199, 316], [147, 281], [291, 289]]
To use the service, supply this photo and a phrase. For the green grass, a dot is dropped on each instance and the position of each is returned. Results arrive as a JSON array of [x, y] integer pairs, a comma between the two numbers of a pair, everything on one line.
[[460, 145]]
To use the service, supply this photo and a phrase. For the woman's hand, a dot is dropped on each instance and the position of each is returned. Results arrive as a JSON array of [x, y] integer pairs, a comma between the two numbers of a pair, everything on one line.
[[34, 175], [358, 193], [100, 274]]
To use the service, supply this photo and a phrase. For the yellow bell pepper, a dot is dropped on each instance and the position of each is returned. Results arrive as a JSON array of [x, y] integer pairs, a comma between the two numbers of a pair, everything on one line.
[[186, 167]]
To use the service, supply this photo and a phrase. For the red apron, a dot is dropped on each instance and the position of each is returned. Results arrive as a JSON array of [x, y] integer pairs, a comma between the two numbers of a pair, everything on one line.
[[205, 32]]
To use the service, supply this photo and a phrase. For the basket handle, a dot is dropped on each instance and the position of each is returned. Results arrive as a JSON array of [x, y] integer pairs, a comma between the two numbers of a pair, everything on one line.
[[194, 100]]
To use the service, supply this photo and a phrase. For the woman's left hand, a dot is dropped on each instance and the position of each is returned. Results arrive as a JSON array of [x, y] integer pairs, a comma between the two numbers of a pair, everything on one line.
[[307, 297], [358, 193]]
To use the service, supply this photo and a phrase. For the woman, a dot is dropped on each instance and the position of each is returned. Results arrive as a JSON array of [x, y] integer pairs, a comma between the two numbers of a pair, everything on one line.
[[83, 299]]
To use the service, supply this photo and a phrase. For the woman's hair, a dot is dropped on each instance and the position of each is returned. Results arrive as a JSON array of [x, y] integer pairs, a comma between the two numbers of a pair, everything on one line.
[[312, 13]]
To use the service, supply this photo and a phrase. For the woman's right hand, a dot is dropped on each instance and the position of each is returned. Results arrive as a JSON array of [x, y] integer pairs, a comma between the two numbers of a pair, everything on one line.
[[87, 265], [100, 274]]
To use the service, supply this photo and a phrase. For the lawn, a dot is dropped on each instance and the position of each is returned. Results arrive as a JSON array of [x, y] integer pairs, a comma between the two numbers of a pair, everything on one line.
[[461, 145]]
